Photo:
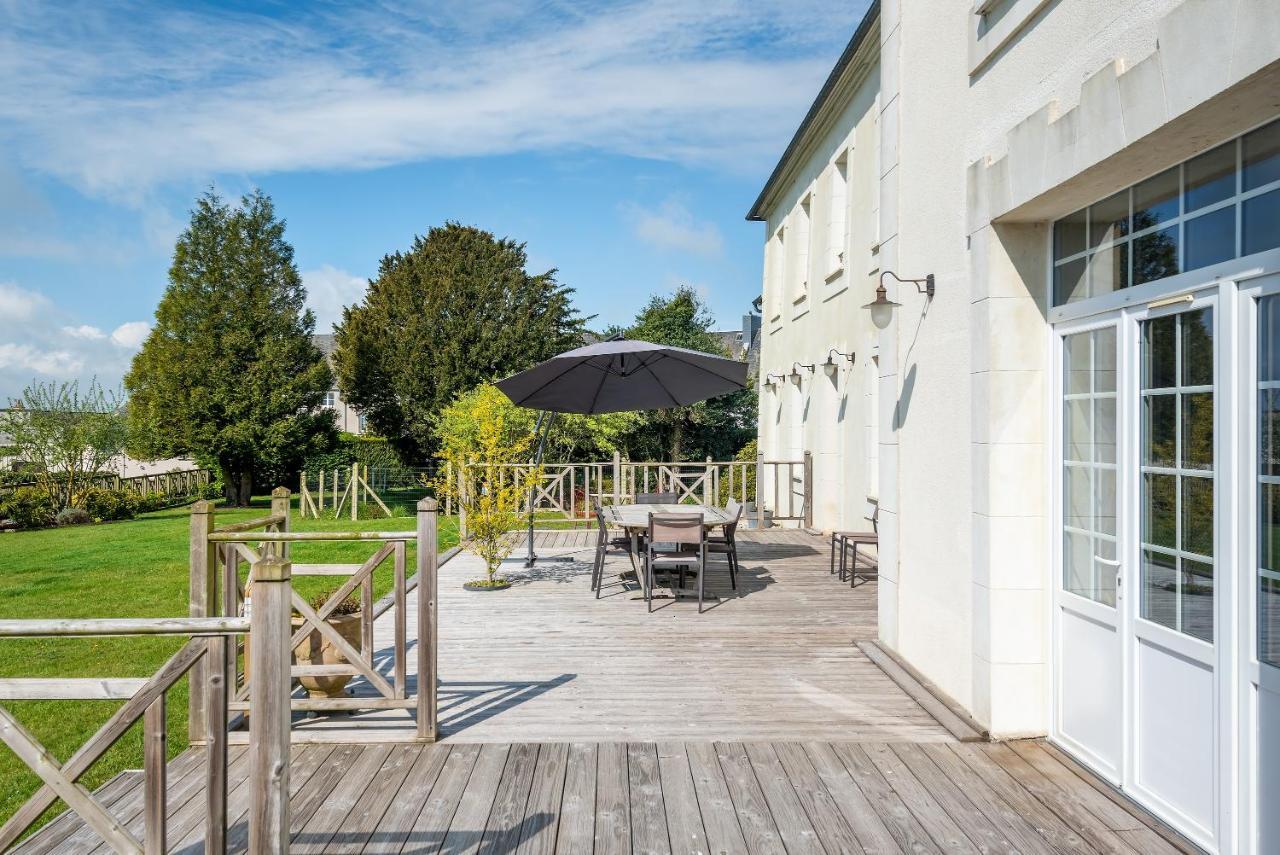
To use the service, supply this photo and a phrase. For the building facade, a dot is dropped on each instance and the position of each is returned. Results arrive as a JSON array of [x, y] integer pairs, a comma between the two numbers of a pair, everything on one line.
[[347, 417], [1074, 468]]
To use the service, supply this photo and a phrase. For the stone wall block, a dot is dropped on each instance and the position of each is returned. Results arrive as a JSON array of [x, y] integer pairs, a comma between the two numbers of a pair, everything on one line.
[[1194, 40], [1061, 157], [1027, 154], [1101, 131], [1255, 45], [1142, 99]]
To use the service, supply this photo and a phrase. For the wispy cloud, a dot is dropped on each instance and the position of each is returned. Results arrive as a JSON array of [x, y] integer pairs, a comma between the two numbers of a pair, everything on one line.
[[136, 95], [672, 226], [329, 290], [40, 341]]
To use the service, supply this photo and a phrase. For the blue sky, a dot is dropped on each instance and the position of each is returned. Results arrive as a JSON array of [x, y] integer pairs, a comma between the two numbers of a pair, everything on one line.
[[623, 141]]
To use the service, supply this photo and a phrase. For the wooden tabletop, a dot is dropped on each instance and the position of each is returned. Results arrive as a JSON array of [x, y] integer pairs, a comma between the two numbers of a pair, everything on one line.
[[637, 516]]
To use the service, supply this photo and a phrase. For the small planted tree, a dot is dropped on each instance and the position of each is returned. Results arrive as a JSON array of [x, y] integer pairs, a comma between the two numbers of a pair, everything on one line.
[[481, 432], [65, 436]]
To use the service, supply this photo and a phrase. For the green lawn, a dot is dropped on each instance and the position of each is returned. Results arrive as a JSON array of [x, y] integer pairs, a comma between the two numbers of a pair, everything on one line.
[[125, 569]]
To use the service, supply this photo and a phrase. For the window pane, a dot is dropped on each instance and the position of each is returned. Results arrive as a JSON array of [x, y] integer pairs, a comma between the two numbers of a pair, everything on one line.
[[1269, 338], [1109, 219], [1197, 430], [1160, 588], [1211, 177], [1197, 599], [1105, 510], [1160, 426], [1197, 348], [1261, 222], [1104, 357], [1159, 353], [1069, 234], [1104, 426], [1077, 497], [1269, 528], [1077, 356], [1269, 621], [1109, 270], [1069, 284], [1160, 510], [1078, 429], [1155, 255], [1197, 515], [1269, 433], [1155, 200], [1211, 238], [1262, 156]]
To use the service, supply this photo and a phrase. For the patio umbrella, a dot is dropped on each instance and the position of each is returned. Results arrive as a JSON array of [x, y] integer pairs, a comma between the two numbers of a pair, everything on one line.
[[615, 376]]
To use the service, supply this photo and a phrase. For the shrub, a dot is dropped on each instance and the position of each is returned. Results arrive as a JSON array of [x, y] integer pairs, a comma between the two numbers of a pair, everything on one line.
[[153, 501], [73, 516], [104, 504], [349, 606], [28, 507]]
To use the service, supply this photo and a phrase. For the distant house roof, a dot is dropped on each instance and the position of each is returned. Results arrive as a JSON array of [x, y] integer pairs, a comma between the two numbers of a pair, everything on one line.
[[731, 341], [757, 211], [326, 343]]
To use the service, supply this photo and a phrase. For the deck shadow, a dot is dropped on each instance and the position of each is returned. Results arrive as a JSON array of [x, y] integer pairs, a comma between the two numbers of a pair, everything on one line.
[[464, 704]]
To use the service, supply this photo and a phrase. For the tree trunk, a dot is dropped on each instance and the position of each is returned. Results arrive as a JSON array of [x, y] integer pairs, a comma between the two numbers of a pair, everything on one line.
[[675, 440], [237, 484]]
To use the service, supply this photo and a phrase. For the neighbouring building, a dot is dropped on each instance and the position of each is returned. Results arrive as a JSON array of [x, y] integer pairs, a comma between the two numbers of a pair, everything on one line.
[[1069, 445], [348, 418]]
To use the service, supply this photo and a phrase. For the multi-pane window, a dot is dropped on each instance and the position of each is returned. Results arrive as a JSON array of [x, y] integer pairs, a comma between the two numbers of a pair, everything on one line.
[[799, 244], [1178, 472], [331, 399], [1089, 465], [1220, 205], [837, 202], [776, 259], [1269, 480]]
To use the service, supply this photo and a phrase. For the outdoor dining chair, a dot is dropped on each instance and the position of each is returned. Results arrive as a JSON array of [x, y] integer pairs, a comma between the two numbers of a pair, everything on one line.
[[726, 544], [606, 544], [655, 498], [674, 541]]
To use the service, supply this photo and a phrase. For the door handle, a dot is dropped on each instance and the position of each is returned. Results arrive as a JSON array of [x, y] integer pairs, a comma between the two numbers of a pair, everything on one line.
[[1116, 565]]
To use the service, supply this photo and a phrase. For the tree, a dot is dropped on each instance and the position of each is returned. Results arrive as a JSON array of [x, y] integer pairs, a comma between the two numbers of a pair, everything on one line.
[[229, 372], [718, 427], [456, 310], [65, 436]]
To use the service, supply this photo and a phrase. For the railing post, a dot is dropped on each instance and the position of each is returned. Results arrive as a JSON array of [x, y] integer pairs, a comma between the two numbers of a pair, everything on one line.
[[427, 586], [154, 745], [617, 478], [355, 491], [759, 491], [269, 701], [302, 494], [201, 593], [280, 497], [808, 489], [217, 654], [706, 484]]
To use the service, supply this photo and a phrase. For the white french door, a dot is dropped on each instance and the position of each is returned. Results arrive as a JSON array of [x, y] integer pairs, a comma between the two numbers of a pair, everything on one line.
[[1143, 553]]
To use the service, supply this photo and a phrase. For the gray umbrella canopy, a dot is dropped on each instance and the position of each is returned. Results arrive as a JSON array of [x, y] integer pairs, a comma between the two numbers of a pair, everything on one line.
[[619, 375]]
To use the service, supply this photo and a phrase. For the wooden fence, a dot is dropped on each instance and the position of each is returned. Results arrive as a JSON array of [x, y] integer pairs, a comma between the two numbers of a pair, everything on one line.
[[773, 490], [211, 657], [172, 485], [344, 487]]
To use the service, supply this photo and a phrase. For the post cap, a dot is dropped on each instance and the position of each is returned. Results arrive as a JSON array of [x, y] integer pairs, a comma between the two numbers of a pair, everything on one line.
[[272, 570], [427, 504], [202, 506], [280, 493]]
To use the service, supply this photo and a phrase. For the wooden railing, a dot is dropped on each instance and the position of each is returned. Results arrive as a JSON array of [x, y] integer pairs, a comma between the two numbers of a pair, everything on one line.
[[777, 490], [143, 698], [346, 487], [172, 485], [217, 554]]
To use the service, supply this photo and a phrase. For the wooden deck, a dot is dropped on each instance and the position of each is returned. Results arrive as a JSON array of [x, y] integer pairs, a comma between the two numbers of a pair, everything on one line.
[[678, 797], [547, 662]]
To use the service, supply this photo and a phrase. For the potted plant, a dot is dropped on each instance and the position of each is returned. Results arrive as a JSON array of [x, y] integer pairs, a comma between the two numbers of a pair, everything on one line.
[[315, 649]]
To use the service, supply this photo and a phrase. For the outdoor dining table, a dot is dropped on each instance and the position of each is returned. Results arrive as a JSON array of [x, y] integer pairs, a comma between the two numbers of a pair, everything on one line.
[[634, 519]]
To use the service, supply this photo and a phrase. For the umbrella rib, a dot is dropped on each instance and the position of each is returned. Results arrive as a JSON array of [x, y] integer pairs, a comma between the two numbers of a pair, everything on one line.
[[604, 375], [656, 379], [701, 368]]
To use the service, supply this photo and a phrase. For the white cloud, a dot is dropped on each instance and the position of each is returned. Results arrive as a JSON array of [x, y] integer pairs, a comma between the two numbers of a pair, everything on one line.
[[124, 101], [85, 331], [329, 290], [42, 342], [673, 227], [130, 335]]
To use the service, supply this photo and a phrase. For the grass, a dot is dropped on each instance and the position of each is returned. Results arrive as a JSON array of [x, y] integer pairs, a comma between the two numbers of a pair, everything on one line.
[[127, 569]]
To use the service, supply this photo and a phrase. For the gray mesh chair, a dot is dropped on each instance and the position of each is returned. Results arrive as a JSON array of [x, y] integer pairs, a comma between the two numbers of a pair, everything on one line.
[[674, 541], [725, 544], [655, 498]]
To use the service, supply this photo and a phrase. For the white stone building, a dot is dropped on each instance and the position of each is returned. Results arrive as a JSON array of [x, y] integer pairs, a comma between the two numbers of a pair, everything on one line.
[[1070, 443], [348, 418]]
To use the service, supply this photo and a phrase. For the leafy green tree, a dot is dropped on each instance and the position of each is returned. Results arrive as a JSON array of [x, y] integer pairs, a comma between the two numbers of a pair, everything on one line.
[[229, 372], [718, 427], [65, 436], [456, 310]]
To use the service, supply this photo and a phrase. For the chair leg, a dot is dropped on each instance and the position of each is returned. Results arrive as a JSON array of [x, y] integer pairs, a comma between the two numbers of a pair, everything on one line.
[[833, 554], [853, 569], [702, 578], [733, 565]]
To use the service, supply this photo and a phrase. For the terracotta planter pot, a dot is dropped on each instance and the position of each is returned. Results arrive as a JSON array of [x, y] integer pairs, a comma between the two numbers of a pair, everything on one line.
[[315, 649]]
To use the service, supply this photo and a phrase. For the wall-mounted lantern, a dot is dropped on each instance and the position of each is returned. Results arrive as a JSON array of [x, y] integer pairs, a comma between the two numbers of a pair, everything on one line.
[[771, 383], [831, 365], [882, 307], [795, 371]]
